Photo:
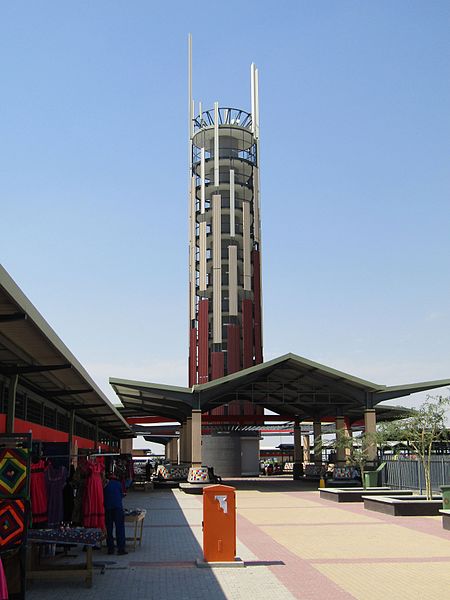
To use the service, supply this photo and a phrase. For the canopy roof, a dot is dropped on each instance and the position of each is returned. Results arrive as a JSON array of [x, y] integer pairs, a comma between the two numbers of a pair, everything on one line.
[[289, 385], [31, 349]]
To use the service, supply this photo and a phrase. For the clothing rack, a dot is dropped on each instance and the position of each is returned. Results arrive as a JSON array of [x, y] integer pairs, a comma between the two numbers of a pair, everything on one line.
[[105, 454], [15, 440]]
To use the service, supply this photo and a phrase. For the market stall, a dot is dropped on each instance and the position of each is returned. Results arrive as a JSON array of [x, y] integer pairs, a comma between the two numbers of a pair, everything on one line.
[[40, 566], [14, 512], [135, 518]]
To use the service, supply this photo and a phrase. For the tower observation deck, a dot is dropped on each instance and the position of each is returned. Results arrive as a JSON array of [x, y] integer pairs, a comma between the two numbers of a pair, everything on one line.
[[225, 242]]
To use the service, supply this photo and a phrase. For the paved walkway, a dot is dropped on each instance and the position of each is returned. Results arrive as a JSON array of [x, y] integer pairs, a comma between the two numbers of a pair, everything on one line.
[[294, 544]]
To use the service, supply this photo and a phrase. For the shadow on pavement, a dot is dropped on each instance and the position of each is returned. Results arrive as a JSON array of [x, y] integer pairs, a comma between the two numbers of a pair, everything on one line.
[[163, 567], [280, 483]]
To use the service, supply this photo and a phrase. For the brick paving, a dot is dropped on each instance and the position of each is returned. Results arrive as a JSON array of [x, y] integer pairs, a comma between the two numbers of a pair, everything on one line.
[[294, 544]]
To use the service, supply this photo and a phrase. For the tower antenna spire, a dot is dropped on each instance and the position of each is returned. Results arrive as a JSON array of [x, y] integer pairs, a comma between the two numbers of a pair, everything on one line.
[[190, 101]]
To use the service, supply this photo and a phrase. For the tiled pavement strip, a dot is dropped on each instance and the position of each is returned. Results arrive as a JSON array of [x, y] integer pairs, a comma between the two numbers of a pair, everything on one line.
[[295, 545]]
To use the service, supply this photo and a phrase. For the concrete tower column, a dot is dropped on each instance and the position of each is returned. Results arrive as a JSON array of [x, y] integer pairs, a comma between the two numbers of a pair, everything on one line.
[[224, 235], [317, 434], [196, 438], [224, 253]]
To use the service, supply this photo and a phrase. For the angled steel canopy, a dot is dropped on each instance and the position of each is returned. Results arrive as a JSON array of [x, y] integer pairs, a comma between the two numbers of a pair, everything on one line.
[[291, 385], [140, 398], [30, 349]]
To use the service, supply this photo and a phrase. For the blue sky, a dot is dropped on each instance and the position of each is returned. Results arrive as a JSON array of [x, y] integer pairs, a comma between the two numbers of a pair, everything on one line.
[[355, 132]]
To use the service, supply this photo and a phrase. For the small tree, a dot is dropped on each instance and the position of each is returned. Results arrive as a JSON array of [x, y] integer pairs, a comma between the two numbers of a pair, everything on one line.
[[421, 430]]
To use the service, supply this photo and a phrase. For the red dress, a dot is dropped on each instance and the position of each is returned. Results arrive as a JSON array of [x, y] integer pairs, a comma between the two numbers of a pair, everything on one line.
[[93, 503], [3, 584], [38, 492]]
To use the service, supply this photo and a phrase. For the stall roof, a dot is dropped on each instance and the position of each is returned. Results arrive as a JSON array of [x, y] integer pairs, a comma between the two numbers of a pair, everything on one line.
[[290, 385], [30, 348]]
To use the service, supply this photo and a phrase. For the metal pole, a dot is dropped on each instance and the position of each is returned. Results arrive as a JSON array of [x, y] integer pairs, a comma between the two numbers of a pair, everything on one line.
[[71, 431], [11, 403]]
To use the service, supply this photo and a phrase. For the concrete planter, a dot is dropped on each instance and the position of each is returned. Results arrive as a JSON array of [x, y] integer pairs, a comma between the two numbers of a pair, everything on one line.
[[445, 519], [407, 506], [356, 494], [342, 483]]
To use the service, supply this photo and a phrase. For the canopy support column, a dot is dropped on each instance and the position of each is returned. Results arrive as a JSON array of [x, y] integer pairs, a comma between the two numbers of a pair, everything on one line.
[[189, 439], [298, 452], [11, 403], [126, 446], [96, 437], [317, 434], [341, 430], [196, 438], [370, 425], [174, 450], [71, 432]]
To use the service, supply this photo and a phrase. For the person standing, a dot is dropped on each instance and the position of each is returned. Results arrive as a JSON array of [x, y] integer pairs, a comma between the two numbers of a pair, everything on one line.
[[114, 516]]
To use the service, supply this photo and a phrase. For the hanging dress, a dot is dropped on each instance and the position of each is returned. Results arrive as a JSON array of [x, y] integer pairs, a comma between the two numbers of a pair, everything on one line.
[[93, 504], [3, 584], [38, 492], [55, 478]]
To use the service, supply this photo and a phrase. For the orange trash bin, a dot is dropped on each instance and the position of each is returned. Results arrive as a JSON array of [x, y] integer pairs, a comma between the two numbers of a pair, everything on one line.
[[219, 523]]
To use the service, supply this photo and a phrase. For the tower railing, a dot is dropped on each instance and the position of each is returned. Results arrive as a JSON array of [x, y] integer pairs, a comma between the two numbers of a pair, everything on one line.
[[227, 116]]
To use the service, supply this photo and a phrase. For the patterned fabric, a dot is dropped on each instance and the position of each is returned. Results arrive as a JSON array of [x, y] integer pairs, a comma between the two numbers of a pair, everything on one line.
[[13, 472], [174, 473], [178, 472], [198, 474], [162, 472], [12, 523], [70, 535], [313, 470], [345, 473]]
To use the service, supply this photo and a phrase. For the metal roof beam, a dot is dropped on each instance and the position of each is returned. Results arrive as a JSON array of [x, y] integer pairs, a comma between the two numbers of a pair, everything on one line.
[[17, 316], [152, 402], [25, 369], [78, 407], [56, 393]]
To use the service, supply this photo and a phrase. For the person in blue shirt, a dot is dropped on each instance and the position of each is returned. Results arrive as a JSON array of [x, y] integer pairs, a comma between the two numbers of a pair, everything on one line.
[[114, 516]]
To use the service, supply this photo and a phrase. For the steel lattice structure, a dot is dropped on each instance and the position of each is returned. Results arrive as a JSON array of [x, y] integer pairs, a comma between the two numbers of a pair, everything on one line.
[[225, 240]]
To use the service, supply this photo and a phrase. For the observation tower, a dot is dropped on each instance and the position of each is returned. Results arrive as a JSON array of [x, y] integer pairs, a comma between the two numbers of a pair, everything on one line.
[[224, 241]]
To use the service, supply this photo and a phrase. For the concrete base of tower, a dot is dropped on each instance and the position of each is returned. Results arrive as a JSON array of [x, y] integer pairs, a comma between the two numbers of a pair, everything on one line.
[[231, 454]]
